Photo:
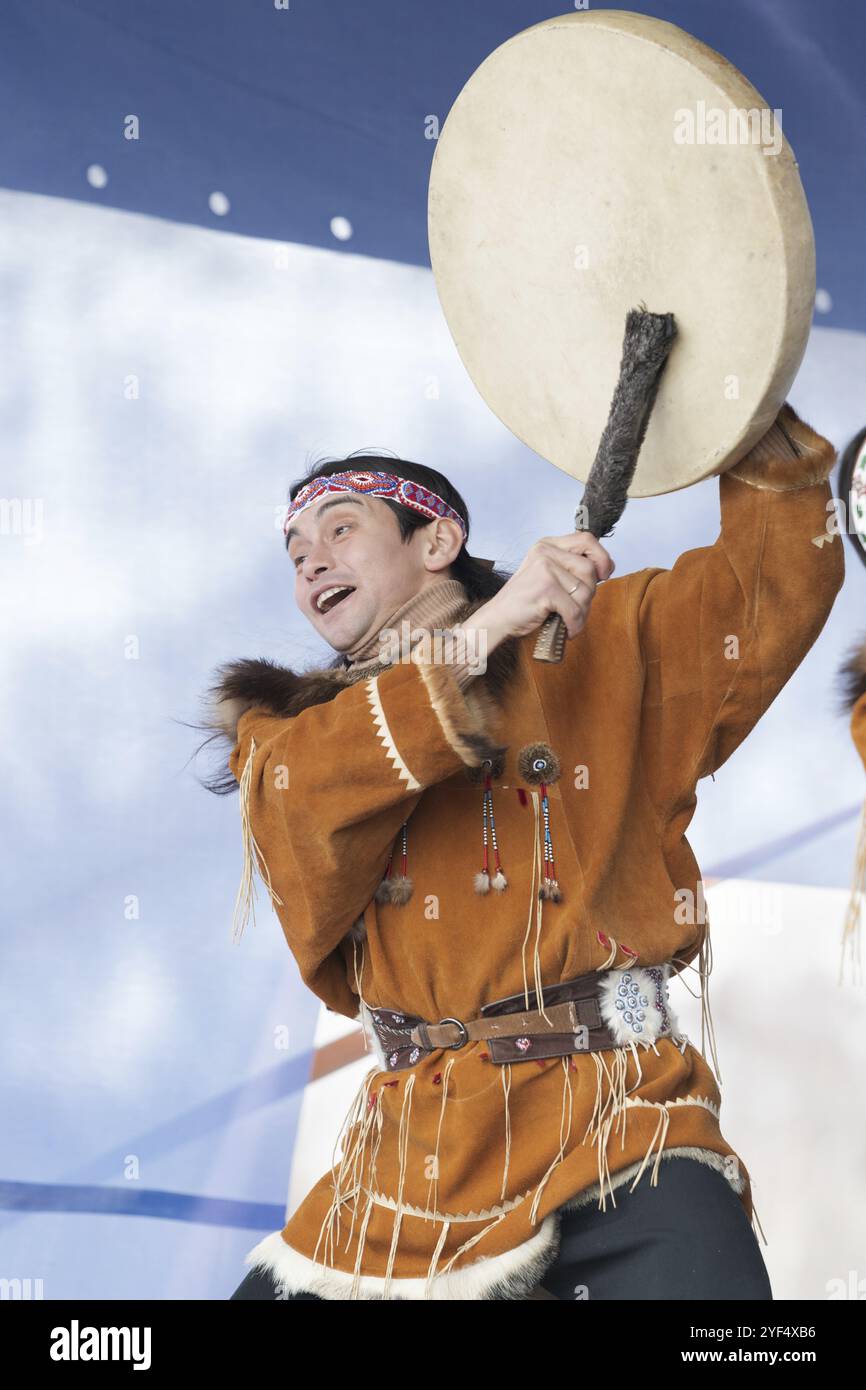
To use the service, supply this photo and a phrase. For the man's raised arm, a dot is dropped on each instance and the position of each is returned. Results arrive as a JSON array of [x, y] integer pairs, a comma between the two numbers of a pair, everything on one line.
[[721, 632]]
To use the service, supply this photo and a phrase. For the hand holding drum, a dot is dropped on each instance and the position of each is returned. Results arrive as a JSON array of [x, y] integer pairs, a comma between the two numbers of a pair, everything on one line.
[[558, 577]]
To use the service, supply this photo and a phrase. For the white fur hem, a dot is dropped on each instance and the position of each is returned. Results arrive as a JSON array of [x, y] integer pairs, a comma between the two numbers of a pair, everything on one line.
[[708, 1156], [511, 1275]]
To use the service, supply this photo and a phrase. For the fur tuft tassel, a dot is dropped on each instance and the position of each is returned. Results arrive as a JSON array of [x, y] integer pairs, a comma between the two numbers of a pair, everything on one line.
[[499, 881], [482, 881], [401, 889], [396, 888], [383, 892]]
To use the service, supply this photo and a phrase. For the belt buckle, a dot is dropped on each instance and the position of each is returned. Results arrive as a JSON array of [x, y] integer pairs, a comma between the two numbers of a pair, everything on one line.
[[460, 1024]]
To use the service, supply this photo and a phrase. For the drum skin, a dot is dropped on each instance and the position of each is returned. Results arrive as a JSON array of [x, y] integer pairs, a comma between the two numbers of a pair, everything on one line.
[[591, 164]]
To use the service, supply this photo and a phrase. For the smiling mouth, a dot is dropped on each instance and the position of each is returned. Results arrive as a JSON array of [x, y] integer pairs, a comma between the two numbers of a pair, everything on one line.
[[333, 598]]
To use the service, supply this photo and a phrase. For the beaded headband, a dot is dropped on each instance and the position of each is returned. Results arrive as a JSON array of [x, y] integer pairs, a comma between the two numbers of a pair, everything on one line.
[[375, 484]]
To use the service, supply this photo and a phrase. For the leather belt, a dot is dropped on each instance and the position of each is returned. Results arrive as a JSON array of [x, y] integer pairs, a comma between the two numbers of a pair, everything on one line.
[[589, 1013]]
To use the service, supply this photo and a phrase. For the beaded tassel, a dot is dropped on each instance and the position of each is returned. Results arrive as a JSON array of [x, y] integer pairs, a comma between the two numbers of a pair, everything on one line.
[[550, 888], [396, 888], [540, 767], [483, 881]]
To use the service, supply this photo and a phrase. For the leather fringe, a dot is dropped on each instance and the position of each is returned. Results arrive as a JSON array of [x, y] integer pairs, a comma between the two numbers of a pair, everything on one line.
[[245, 907]]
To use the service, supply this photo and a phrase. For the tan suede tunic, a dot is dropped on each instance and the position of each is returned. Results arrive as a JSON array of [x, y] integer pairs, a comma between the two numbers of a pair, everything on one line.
[[449, 1177]]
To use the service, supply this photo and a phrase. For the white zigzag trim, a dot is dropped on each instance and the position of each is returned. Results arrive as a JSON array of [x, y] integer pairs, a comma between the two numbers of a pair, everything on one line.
[[509, 1275], [372, 688], [682, 1100]]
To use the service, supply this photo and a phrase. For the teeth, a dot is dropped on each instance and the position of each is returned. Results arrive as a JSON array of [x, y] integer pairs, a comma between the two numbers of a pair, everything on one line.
[[340, 588]]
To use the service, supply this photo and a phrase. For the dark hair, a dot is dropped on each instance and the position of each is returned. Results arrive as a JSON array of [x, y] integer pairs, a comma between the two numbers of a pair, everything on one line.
[[479, 579]]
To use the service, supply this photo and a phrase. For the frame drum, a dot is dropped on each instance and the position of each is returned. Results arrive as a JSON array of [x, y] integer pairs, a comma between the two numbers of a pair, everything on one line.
[[595, 162]]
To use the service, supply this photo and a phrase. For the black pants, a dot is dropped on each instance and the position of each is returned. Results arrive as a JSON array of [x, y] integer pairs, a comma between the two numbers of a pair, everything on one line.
[[687, 1238]]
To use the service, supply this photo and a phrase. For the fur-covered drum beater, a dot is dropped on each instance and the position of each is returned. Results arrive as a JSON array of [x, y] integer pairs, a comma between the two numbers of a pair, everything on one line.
[[603, 164]]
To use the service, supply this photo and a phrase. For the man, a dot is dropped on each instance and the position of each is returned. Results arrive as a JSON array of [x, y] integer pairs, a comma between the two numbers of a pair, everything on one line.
[[489, 868]]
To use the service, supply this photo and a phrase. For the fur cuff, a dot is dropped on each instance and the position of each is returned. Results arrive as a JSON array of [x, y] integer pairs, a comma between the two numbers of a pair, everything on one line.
[[251, 683], [465, 715], [223, 716], [791, 455]]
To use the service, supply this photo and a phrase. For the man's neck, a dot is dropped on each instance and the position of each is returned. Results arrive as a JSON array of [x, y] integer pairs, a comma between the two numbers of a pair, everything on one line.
[[437, 606]]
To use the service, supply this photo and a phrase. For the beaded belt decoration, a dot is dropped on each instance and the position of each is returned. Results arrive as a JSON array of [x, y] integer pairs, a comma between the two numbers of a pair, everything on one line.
[[591, 1013]]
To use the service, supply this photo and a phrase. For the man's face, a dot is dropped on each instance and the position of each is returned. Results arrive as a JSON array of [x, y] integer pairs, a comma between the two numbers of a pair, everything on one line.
[[348, 541]]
